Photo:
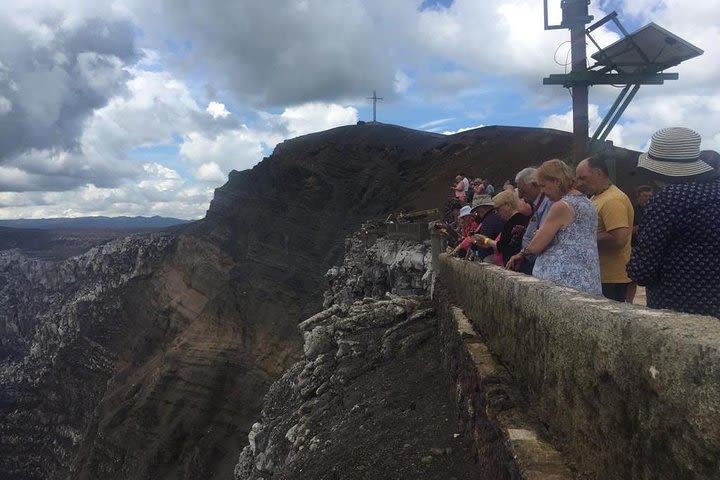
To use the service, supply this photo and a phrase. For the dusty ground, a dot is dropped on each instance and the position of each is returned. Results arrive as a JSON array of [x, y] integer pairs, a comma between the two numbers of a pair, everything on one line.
[[395, 422]]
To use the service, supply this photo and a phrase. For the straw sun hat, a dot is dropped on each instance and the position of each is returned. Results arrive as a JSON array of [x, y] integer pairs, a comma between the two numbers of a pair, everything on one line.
[[674, 152]]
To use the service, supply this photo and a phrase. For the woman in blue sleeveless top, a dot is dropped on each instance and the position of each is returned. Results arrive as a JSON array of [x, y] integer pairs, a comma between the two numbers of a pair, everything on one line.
[[566, 242]]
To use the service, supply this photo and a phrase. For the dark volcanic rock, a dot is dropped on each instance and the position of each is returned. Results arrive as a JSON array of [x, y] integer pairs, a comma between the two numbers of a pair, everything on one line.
[[129, 361], [369, 398], [341, 344], [371, 267], [149, 357], [62, 328]]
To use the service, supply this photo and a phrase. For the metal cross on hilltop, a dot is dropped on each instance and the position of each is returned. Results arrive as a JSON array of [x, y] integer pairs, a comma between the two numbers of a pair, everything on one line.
[[374, 98]]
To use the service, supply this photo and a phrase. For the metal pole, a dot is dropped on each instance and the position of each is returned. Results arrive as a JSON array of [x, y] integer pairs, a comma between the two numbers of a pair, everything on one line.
[[610, 114], [575, 15], [619, 112]]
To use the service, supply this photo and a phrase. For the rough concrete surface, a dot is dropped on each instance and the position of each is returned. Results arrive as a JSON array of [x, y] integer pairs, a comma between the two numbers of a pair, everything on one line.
[[627, 392], [507, 436]]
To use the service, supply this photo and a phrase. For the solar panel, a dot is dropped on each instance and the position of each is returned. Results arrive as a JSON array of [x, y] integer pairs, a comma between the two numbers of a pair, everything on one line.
[[650, 49]]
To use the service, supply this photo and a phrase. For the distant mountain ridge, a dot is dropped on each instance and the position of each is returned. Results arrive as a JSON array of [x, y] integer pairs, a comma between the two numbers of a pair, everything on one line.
[[100, 222]]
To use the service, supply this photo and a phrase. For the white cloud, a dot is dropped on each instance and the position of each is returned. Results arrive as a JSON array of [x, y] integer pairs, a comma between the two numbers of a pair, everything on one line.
[[699, 112], [217, 110], [38, 34], [565, 122], [5, 105], [160, 178], [315, 116], [316, 51], [464, 129], [101, 72], [55, 71], [210, 172], [157, 107], [511, 34], [161, 192], [456, 61], [150, 59], [647, 115], [230, 150], [15, 178], [241, 148], [402, 82]]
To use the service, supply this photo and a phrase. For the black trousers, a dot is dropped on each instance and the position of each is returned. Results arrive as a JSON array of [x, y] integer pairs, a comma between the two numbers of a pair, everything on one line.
[[615, 291]]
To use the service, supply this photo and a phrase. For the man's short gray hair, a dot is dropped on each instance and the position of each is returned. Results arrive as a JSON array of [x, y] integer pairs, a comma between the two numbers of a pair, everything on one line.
[[526, 176]]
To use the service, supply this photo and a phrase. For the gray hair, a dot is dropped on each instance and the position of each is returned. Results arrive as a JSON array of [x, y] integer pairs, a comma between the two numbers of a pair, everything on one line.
[[526, 176]]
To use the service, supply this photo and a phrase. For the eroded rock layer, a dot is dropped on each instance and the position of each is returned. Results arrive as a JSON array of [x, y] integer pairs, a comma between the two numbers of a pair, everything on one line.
[[62, 328], [357, 404], [373, 266], [130, 361], [341, 343]]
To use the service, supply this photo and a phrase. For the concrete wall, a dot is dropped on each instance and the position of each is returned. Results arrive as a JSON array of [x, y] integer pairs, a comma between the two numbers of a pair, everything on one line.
[[624, 391], [493, 415]]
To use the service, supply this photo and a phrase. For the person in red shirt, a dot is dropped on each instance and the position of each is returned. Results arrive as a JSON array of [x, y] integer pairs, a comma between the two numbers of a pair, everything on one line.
[[468, 226]]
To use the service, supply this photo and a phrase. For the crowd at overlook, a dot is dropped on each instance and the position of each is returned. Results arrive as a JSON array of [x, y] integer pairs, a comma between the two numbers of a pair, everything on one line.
[[572, 226]]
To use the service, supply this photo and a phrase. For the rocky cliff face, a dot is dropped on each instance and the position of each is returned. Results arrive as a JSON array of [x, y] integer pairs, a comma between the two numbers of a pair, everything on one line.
[[61, 335], [371, 267], [355, 335], [341, 344], [149, 357], [128, 362]]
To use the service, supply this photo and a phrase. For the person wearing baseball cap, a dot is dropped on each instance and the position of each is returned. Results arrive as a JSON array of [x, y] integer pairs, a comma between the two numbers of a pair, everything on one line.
[[676, 256]]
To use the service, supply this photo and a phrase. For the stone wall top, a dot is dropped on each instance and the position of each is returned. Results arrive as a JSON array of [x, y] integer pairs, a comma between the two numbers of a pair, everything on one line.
[[629, 392]]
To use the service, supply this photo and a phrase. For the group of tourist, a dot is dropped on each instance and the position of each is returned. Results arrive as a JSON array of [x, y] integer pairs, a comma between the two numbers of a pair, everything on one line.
[[465, 191], [574, 227]]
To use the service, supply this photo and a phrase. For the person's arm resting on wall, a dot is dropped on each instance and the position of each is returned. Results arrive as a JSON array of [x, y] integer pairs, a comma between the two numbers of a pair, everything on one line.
[[559, 216]]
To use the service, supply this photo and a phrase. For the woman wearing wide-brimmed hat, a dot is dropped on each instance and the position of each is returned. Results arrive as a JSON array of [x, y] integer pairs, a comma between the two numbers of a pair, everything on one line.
[[676, 256]]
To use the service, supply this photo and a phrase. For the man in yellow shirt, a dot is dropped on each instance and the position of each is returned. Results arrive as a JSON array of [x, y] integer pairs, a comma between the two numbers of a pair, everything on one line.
[[615, 222]]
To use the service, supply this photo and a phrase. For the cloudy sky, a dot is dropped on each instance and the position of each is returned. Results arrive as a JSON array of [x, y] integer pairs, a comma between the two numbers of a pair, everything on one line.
[[136, 107]]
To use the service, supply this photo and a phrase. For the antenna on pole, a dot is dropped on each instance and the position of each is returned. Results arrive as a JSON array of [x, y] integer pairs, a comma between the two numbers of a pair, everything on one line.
[[374, 98], [637, 59]]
